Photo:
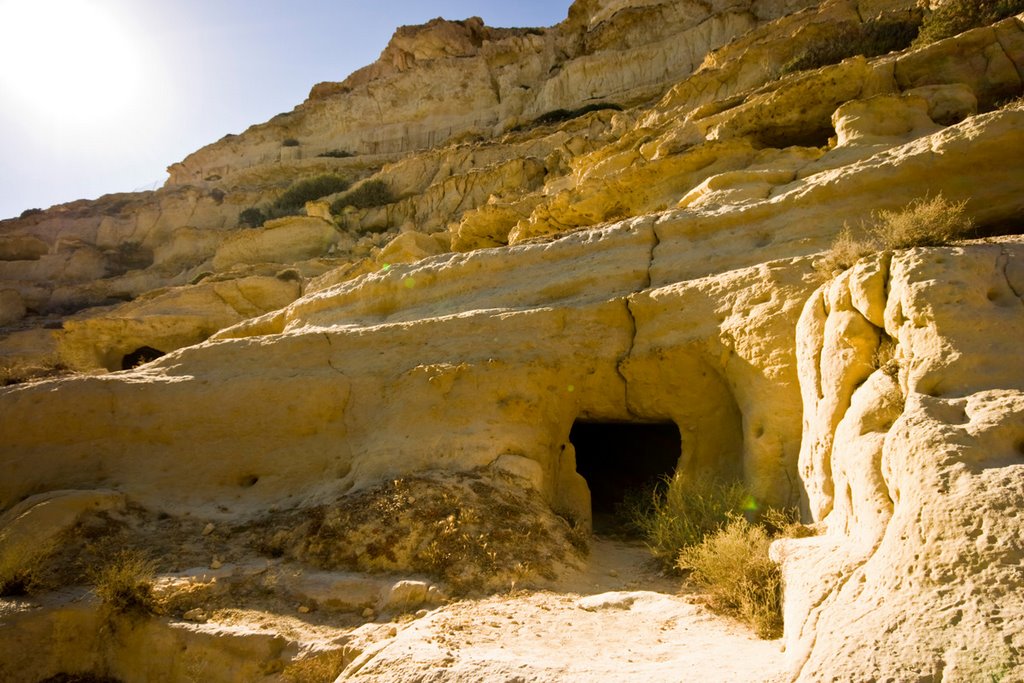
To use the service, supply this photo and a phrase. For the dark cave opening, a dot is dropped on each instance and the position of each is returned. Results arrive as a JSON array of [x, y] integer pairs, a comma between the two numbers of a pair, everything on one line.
[[620, 458], [140, 356]]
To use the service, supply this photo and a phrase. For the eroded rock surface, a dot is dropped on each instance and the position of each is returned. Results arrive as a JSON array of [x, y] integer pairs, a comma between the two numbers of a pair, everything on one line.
[[613, 220]]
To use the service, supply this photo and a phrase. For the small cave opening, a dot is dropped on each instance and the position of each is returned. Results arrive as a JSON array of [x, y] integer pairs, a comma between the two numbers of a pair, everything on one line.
[[620, 459], [140, 356]]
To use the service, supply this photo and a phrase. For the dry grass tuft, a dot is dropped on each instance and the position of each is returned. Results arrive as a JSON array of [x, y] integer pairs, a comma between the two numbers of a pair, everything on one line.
[[20, 581], [845, 251], [21, 569], [680, 512], [924, 222], [733, 566], [125, 584]]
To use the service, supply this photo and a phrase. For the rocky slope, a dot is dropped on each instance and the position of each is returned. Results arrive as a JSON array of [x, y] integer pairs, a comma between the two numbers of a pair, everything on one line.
[[613, 220]]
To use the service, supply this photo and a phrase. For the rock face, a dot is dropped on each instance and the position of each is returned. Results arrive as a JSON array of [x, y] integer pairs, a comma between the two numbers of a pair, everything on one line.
[[531, 263], [912, 462]]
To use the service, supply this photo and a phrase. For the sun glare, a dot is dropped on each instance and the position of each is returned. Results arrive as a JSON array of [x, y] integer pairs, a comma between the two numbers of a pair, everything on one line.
[[69, 64]]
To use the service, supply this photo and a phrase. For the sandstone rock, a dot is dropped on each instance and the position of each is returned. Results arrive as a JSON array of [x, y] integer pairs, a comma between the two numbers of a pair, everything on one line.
[[661, 272], [404, 596], [484, 79], [988, 60], [28, 353], [196, 614], [947, 104], [169, 320], [22, 248], [337, 592], [186, 246], [409, 247], [32, 528], [606, 601], [913, 487], [148, 649], [881, 118], [279, 241], [523, 468], [12, 308]]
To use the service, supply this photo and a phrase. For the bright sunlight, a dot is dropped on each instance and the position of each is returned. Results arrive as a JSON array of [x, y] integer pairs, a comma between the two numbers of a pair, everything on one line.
[[69, 64]]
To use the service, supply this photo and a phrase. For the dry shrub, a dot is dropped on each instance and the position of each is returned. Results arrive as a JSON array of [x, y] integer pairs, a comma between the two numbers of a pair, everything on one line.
[[21, 569], [733, 566], [477, 531], [125, 584], [681, 512], [924, 222], [957, 16], [845, 251], [870, 39]]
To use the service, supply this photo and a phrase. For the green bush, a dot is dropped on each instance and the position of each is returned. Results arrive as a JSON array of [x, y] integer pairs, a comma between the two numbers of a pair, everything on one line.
[[290, 142], [370, 194], [870, 39], [957, 16], [733, 566], [30, 212], [559, 115], [680, 513], [306, 190], [337, 154], [251, 218]]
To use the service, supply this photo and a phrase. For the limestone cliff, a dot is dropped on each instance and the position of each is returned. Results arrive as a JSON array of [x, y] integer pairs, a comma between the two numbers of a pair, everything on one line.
[[615, 219]]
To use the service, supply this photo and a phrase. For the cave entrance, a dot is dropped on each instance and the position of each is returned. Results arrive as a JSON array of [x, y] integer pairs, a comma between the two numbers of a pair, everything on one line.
[[140, 356], [619, 459]]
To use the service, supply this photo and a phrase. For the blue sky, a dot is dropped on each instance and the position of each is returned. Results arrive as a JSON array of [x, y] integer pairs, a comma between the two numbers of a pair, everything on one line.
[[100, 96]]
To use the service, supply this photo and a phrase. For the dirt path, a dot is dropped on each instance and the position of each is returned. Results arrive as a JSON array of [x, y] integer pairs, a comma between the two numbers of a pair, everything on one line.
[[614, 620]]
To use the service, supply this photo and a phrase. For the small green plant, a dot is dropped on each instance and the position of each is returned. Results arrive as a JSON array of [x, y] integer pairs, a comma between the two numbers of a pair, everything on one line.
[[368, 195], [733, 566], [290, 142], [251, 218], [337, 154], [956, 16], [307, 190], [924, 222], [681, 512], [870, 39], [30, 212], [125, 584]]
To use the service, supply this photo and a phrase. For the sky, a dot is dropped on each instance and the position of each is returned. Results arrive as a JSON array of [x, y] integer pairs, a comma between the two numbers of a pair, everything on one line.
[[100, 96]]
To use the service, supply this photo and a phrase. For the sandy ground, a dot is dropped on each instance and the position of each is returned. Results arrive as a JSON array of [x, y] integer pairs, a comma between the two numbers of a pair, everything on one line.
[[614, 620]]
